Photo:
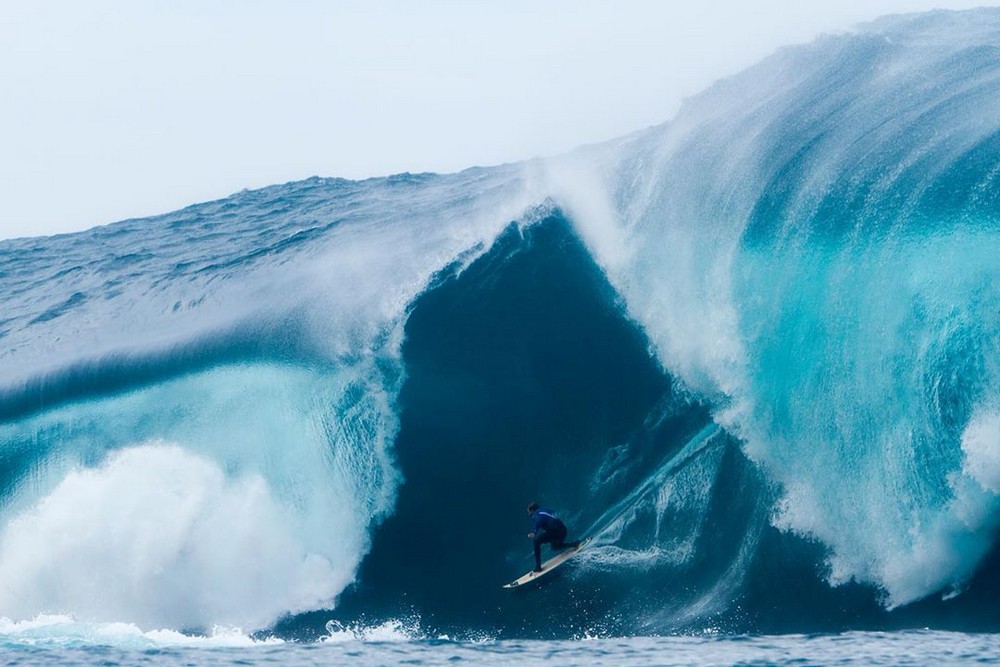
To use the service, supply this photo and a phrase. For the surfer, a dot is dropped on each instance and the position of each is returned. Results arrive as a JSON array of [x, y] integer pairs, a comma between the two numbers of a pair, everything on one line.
[[547, 528]]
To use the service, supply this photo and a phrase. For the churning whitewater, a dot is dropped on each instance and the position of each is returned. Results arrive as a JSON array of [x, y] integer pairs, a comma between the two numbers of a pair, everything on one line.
[[754, 352]]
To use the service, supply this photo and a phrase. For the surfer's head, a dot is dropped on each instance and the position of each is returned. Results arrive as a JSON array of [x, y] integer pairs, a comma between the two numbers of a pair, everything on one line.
[[532, 508]]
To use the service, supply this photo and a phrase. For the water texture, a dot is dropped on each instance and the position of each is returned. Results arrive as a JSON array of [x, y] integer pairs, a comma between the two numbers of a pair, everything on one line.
[[753, 352]]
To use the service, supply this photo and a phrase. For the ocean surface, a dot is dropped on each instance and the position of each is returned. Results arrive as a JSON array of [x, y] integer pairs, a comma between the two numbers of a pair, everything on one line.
[[754, 352], [855, 648]]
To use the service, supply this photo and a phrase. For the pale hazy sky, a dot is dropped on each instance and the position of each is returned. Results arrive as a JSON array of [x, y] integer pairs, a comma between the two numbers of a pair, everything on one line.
[[117, 109]]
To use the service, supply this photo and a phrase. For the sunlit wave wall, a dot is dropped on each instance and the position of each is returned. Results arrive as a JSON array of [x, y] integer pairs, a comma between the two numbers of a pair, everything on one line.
[[814, 246]]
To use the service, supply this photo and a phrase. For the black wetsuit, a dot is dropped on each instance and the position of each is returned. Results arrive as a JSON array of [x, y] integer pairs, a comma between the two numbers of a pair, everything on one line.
[[548, 529]]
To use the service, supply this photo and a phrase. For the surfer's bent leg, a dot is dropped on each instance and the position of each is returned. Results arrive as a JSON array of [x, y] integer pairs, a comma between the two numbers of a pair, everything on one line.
[[558, 537], [541, 538], [559, 540]]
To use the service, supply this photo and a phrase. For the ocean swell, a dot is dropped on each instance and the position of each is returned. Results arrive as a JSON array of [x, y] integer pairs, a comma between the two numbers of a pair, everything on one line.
[[754, 352]]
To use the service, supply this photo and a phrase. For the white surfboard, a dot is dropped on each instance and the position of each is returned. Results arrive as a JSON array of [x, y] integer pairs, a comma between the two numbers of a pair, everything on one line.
[[548, 565]]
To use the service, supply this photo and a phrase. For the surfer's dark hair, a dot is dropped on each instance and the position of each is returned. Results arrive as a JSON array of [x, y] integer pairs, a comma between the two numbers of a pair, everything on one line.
[[532, 507]]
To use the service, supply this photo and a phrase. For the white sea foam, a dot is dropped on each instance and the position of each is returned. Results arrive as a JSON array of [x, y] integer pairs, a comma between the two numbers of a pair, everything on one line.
[[163, 538], [981, 444], [66, 630], [393, 630]]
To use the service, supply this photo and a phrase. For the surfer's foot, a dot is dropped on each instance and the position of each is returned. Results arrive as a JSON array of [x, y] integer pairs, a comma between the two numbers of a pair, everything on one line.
[[537, 569]]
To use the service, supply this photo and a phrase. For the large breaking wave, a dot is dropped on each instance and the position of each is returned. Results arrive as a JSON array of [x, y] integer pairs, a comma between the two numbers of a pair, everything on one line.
[[754, 351]]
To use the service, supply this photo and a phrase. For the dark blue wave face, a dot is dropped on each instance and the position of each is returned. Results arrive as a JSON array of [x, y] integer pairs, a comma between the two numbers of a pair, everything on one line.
[[521, 371], [525, 381]]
